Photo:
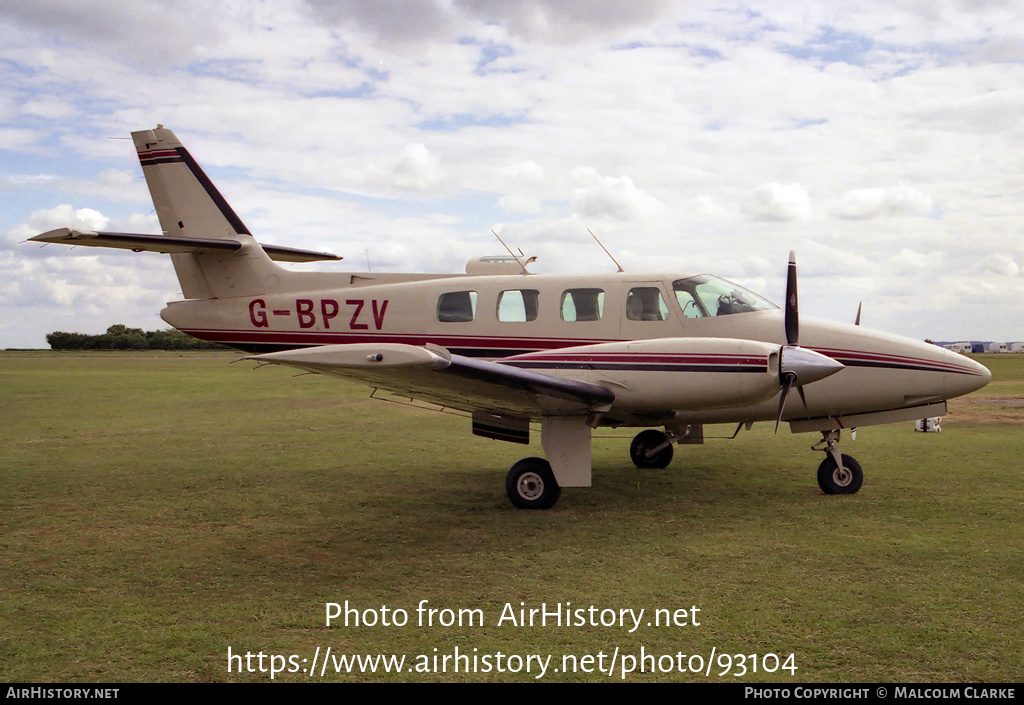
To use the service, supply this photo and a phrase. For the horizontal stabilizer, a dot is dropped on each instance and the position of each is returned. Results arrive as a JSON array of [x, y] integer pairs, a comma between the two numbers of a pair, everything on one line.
[[292, 254], [138, 242]]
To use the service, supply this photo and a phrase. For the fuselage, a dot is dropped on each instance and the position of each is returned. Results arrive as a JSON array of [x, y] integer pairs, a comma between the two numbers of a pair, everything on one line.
[[497, 317]]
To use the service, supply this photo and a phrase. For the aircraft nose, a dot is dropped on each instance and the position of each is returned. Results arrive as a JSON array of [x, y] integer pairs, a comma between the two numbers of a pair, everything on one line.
[[964, 375]]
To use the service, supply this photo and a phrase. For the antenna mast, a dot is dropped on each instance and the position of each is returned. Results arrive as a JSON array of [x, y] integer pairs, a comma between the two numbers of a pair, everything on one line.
[[605, 250], [514, 255]]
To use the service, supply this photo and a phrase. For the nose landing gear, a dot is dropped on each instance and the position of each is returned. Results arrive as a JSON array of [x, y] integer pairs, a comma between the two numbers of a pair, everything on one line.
[[838, 473]]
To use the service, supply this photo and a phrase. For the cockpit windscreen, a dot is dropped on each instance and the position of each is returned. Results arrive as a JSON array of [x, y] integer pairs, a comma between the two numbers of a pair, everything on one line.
[[703, 296]]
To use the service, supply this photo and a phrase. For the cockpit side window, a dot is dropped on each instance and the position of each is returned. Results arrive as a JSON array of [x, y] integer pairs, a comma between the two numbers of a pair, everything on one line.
[[705, 295], [688, 304]]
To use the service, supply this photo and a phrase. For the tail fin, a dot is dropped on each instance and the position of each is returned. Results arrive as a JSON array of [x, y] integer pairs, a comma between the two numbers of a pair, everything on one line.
[[213, 252], [190, 206], [187, 203]]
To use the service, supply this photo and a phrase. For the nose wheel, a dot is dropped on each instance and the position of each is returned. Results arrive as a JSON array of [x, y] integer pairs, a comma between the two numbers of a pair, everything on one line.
[[833, 479], [838, 473]]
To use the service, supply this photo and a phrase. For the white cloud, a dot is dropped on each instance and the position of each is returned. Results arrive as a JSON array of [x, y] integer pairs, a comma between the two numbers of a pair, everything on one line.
[[351, 126], [19, 139], [528, 171], [610, 197], [707, 205], [417, 168], [859, 204], [517, 203], [67, 216], [1000, 265], [908, 262], [774, 202], [418, 21]]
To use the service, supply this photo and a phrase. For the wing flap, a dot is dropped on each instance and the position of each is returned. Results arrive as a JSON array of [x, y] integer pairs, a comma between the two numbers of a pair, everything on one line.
[[435, 375]]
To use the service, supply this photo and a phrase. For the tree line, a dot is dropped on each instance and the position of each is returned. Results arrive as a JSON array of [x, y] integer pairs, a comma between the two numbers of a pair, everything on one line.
[[121, 337]]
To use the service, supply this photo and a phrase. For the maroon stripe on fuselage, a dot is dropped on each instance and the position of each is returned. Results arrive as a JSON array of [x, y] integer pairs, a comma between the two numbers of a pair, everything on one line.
[[863, 358], [612, 357], [303, 339], [535, 348]]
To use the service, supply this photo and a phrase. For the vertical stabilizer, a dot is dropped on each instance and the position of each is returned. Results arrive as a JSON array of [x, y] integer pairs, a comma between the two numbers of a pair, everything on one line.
[[189, 205]]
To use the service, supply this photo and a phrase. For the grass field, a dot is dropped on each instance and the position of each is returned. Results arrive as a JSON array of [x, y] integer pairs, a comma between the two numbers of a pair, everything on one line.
[[155, 511]]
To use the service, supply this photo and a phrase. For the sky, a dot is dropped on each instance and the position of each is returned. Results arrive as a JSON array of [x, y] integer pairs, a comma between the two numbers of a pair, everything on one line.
[[881, 141]]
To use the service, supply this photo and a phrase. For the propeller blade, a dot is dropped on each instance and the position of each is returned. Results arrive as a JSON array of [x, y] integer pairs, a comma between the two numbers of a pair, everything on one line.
[[857, 322], [792, 314], [788, 380]]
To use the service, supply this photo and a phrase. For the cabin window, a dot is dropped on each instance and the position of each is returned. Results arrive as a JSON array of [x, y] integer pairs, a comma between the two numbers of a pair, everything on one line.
[[582, 304], [705, 295], [645, 303], [518, 305], [456, 307]]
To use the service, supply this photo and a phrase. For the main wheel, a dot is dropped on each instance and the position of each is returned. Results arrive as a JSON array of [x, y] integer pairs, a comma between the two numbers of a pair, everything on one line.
[[531, 484], [835, 480], [645, 441]]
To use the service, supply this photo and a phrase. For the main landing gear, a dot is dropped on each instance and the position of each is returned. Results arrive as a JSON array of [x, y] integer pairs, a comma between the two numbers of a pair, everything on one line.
[[651, 449], [838, 473], [530, 484]]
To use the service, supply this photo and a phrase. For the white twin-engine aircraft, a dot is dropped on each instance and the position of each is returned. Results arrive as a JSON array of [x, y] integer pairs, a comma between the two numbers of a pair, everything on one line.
[[575, 353]]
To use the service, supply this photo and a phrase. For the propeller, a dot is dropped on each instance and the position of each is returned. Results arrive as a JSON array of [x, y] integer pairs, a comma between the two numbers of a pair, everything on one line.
[[792, 311], [798, 366]]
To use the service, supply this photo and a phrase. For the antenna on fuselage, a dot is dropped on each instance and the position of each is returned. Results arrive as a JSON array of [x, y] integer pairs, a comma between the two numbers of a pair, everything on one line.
[[514, 255], [605, 250]]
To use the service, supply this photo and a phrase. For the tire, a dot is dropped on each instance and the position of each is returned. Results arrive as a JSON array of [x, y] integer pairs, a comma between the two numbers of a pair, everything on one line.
[[832, 481], [530, 484], [644, 441]]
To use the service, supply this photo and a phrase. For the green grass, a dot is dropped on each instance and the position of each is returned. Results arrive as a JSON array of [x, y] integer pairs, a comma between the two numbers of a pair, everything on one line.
[[156, 510]]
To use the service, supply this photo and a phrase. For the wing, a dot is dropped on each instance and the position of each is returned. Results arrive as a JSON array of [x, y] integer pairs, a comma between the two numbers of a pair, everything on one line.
[[433, 374], [138, 242]]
